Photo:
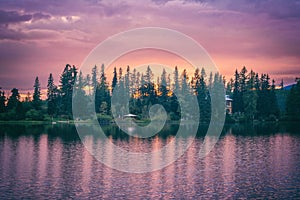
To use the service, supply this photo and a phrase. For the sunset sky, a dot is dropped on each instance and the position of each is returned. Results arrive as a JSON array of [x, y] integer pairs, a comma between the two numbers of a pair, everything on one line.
[[40, 37]]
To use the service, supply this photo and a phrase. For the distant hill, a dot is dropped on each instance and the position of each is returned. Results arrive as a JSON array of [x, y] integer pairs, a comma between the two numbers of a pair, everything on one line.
[[288, 87]]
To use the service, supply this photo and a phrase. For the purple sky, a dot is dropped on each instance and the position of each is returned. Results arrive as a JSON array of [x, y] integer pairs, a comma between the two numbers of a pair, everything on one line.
[[39, 37]]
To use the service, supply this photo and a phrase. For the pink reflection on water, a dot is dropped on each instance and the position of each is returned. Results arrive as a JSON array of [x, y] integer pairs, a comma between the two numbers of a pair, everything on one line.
[[87, 160], [42, 151], [6, 156], [24, 154], [107, 171], [229, 165], [55, 156], [192, 156], [155, 177]]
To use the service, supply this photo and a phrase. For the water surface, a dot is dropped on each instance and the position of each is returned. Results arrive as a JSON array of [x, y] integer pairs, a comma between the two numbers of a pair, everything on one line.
[[45, 161]]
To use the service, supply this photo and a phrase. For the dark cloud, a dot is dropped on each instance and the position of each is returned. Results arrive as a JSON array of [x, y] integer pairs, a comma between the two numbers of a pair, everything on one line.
[[15, 17], [65, 7], [279, 9], [38, 16], [7, 17], [6, 33], [35, 5]]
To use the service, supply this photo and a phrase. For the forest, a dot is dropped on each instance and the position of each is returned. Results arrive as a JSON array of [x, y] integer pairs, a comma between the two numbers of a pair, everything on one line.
[[255, 97]]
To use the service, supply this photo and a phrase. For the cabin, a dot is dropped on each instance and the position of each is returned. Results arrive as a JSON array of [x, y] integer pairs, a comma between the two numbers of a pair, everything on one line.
[[228, 104]]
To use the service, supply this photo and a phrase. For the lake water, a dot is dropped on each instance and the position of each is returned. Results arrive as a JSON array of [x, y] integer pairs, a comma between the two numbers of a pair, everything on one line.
[[50, 162]]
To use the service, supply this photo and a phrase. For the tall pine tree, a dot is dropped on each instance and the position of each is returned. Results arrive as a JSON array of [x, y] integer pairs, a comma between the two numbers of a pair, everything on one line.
[[52, 96], [36, 101]]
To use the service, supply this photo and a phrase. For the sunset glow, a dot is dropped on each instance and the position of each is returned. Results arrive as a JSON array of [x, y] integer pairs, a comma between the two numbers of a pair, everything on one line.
[[38, 38]]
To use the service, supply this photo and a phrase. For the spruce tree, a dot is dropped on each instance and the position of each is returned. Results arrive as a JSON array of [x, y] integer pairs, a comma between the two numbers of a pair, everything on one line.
[[67, 81], [236, 104], [36, 100], [163, 91], [94, 78], [115, 79], [102, 96], [14, 99], [52, 96], [293, 102], [80, 101], [2, 101]]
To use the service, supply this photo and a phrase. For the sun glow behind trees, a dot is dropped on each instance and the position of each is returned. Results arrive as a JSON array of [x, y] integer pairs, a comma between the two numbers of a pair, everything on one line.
[[254, 97]]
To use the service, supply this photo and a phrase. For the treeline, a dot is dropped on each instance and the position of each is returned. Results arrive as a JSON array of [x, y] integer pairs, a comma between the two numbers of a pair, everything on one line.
[[253, 95], [15, 109], [293, 102], [58, 103], [143, 90]]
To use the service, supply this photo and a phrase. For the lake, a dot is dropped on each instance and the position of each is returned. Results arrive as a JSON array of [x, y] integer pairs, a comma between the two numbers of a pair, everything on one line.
[[248, 161]]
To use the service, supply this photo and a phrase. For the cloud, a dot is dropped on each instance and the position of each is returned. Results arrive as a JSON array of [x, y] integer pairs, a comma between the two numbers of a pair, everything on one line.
[[7, 17], [277, 9], [234, 32], [39, 16]]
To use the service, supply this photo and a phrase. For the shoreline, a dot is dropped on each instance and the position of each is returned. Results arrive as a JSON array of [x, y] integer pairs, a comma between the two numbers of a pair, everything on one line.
[[57, 122]]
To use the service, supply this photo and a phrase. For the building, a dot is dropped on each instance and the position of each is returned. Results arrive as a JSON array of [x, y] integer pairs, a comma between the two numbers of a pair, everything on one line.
[[228, 104]]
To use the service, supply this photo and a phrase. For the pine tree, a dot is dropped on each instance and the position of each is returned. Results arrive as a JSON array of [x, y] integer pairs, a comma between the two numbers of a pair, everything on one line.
[[185, 96], [176, 86], [256, 82], [127, 81], [274, 109], [79, 98], [229, 87], [67, 81], [184, 82], [293, 102], [243, 80], [202, 94], [52, 96], [2, 101], [210, 80], [267, 105], [36, 101], [88, 83], [102, 96], [250, 97], [94, 78], [115, 79], [148, 75], [132, 82], [163, 91], [236, 104], [14, 99], [250, 81]]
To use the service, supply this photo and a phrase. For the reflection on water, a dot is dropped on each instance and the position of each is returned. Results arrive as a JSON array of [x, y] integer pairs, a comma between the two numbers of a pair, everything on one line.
[[39, 162]]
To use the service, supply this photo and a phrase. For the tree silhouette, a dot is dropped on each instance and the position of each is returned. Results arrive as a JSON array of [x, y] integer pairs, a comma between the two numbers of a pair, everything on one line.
[[293, 102], [14, 99], [2, 101], [67, 80], [115, 79], [36, 102], [52, 96]]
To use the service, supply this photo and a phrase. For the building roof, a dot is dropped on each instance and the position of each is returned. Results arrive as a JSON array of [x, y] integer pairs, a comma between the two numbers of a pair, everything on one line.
[[130, 115], [227, 98]]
